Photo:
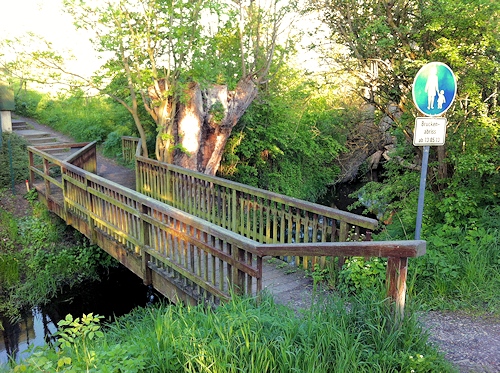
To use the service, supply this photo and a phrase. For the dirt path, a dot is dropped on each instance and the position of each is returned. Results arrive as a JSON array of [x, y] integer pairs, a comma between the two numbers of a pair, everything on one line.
[[470, 343]]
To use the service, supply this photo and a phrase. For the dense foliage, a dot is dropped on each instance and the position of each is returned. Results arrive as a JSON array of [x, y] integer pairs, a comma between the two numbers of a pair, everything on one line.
[[398, 38], [359, 336], [195, 67], [289, 139], [81, 118], [13, 159], [384, 46], [39, 256]]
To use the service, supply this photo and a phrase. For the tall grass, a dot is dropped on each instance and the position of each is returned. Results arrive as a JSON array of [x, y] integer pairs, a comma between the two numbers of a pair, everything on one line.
[[357, 335], [461, 269], [39, 255], [13, 159]]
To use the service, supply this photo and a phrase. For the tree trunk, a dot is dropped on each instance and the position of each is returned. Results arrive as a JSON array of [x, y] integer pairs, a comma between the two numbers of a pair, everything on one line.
[[195, 136], [442, 165]]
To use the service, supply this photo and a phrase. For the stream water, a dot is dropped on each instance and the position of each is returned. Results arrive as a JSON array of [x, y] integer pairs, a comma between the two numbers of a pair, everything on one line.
[[118, 293]]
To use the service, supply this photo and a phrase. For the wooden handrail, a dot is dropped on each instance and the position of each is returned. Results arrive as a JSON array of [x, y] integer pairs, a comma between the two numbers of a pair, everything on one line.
[[129, 145], [187, 257], [381, 249], [85, 158], [167, 247], [397, 253], [255, 213]]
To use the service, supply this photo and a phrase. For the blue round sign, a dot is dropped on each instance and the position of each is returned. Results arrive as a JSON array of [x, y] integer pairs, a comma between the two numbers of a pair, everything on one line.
[[434, 89]]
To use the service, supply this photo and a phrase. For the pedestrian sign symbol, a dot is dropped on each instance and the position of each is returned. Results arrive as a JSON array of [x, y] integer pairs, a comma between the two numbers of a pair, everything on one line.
[[434, 89]]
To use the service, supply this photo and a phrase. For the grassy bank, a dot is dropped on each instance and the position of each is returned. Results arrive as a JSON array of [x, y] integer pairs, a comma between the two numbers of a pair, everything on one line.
[[39, 255], [354, 335]]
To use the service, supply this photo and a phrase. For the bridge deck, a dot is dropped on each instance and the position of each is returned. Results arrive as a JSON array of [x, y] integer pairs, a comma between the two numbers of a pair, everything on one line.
[[287, 284], [209, 236]]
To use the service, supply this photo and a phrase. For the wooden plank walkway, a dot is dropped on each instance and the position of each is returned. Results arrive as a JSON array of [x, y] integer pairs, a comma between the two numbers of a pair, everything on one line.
[[287, 284], [209, 237]]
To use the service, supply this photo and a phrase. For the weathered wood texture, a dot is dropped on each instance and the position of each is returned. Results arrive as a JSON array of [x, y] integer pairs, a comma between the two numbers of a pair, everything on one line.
[[182, 256], [129, 146], [189, 258], [258, 214]]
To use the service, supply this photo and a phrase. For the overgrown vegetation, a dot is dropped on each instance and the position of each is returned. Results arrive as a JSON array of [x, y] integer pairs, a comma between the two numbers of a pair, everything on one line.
[[289, 140], [13, 159], [82, 118], [39, 255], [388, 43], [355, 335]]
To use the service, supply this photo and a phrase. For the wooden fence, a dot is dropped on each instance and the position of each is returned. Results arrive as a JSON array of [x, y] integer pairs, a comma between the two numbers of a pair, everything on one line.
[[258, 214], [187, 257], [129, 145], [182, 256]]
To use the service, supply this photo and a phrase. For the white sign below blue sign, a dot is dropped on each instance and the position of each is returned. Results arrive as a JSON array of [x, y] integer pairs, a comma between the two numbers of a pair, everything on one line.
[[434, 89], [429, 131]]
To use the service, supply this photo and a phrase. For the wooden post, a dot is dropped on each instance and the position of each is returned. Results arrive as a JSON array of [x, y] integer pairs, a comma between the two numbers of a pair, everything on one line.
[[241, 274], [169, 180], [46, 171], [90, 211], [397, 269], [344, 232], [32, 165], [234, 210], [138, 182], [146, 257]]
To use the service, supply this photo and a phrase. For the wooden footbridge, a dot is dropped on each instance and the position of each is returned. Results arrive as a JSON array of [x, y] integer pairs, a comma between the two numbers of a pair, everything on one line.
[[198, 238]]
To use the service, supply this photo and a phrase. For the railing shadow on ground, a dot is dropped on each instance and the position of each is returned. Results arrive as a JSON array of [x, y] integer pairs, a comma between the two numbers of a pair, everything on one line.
[[187, 257]]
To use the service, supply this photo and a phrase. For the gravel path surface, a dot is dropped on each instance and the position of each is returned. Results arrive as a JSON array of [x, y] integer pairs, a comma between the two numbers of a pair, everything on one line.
[[471, 343]]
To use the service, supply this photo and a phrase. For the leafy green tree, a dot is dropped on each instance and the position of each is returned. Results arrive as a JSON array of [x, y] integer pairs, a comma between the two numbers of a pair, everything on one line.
[[386, 42], [31, 58], [289, 139], [195, 67]]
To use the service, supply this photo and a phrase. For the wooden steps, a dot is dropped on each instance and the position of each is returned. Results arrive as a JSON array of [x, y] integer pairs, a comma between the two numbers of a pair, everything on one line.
[[40, 138], [19, 125]]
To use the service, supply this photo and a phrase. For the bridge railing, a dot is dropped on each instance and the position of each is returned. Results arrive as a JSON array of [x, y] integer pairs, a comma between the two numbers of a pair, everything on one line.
[[396, 252], [167, 247], [260, 215], [173, 250], [45, 166], [129, 145]]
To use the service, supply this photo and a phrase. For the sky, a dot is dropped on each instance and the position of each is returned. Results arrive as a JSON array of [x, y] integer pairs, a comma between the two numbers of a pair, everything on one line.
[[46, 18]]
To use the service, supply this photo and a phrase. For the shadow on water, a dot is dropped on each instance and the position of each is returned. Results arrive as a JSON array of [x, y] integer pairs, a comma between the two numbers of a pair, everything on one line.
[[115, 295]]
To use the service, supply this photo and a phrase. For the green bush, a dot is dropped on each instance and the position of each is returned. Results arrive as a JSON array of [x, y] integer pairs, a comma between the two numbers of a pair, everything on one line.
[[461, 269], [83, 118], [288, 141], [13, 153], [359, 273], [112, 146], [39, 255], [27, 103]]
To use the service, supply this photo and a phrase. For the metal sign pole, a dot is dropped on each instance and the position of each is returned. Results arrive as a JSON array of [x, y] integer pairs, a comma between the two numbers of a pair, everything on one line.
[[434, 90], [421, 193]]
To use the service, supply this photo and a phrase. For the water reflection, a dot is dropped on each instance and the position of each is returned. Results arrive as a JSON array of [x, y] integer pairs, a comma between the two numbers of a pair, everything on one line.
[[117, 294], [34, 329]]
